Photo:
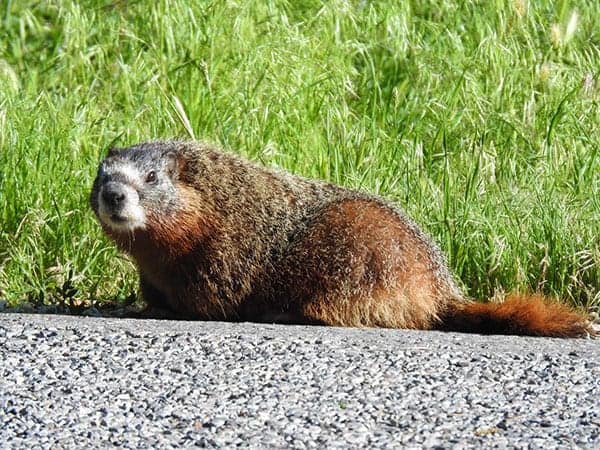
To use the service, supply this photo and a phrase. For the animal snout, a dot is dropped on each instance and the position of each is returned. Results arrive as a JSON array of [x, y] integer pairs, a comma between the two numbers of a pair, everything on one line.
[[113, 195]]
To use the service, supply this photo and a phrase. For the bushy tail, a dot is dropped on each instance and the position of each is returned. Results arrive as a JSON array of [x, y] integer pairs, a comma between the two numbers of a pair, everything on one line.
[[519, 314]]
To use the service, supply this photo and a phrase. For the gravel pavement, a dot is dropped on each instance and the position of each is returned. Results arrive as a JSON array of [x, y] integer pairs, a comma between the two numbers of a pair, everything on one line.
[[75, 382]]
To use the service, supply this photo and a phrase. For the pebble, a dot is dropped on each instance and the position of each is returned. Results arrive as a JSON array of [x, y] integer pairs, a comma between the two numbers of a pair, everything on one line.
[[78, 382]]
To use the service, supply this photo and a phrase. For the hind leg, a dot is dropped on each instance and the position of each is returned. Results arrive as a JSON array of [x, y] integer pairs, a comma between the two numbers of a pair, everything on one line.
[[360, 263]]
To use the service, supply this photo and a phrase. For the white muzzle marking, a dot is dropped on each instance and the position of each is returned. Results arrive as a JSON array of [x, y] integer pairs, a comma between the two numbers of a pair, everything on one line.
[[129, 217]]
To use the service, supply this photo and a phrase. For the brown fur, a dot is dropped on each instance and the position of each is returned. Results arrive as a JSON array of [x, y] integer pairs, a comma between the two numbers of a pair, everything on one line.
[[518, 314], [241, 242], [361, 273]]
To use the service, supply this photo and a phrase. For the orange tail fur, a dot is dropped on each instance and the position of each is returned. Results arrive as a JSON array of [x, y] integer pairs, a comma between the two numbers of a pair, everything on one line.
[[519, 314]]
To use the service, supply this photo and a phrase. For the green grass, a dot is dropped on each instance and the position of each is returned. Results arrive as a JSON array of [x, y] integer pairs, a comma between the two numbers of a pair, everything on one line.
[[480, 118]]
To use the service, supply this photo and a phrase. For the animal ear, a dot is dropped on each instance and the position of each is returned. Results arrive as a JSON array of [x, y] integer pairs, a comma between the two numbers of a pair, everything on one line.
[[113, 151], [175, 164]]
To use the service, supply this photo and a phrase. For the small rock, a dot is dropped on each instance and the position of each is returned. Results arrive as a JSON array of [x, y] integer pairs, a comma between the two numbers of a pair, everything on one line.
[[92, 312], [25, 307]]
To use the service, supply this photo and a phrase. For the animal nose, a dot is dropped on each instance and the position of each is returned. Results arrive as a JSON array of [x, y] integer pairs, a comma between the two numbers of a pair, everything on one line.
[[113, 196]]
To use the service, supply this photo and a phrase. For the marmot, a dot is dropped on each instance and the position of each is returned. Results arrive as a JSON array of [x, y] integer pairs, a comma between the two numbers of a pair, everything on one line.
[[218, 237]]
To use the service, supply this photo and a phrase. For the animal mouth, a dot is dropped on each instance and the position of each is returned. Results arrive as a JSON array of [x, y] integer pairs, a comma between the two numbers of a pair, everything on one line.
[[117, 218]]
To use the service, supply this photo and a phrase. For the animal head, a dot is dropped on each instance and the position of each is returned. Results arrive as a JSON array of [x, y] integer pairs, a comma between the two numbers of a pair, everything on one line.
[[135, 183]]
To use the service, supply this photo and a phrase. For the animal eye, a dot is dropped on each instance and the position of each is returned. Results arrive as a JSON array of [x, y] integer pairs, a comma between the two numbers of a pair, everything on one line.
[[151, 177]]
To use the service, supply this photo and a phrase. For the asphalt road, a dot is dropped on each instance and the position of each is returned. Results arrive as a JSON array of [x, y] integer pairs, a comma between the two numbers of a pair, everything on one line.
[[74, 382]]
